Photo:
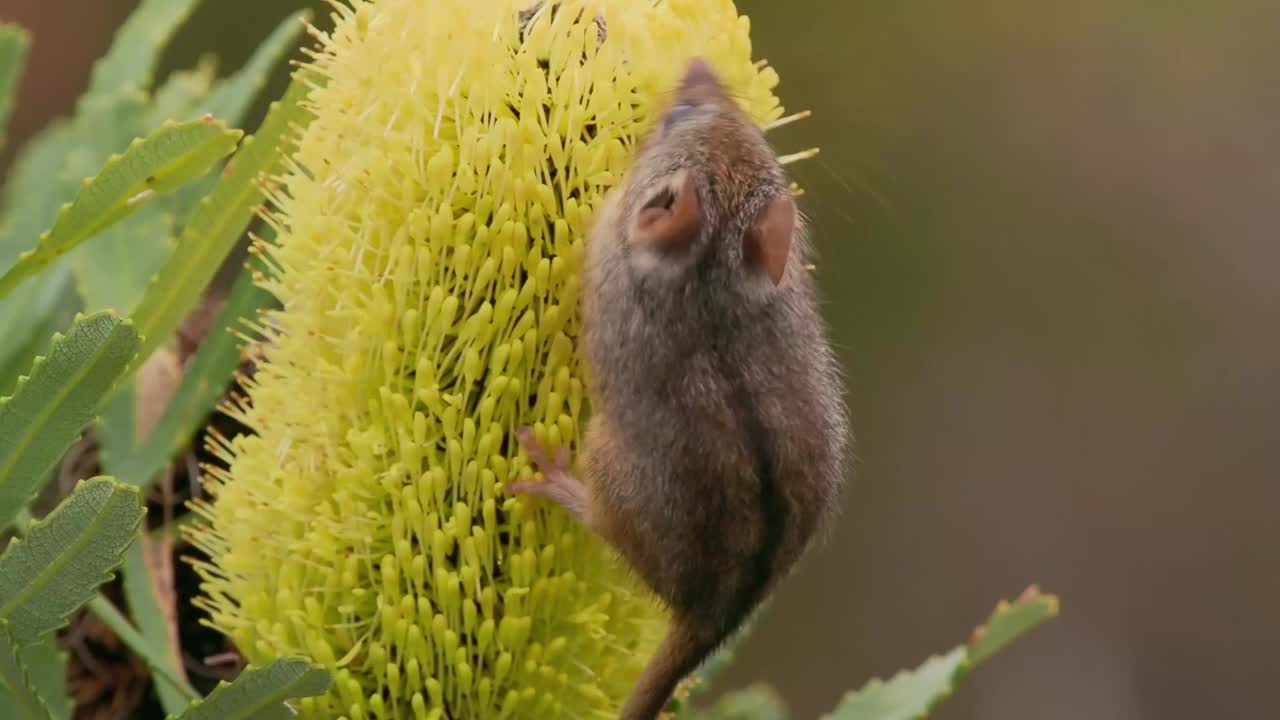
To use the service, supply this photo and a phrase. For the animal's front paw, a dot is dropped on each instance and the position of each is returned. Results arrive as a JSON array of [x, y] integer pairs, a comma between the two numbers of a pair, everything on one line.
[[549, 467], [558, 484]]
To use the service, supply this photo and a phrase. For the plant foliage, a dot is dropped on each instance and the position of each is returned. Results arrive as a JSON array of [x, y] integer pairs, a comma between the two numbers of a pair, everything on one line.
[[49, 409], [53, 570]]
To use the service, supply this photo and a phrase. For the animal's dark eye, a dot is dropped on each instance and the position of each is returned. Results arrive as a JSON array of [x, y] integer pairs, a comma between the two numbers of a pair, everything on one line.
[[676, 114]]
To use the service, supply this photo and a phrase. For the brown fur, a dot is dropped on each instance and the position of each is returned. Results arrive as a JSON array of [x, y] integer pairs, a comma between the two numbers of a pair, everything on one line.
[[717, 449]]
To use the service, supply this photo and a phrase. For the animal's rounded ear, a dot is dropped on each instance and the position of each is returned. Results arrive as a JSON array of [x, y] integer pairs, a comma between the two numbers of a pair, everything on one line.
[[672, 217], [767, 243]]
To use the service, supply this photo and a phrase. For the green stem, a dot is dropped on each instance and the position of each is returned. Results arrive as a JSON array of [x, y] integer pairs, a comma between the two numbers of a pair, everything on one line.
[[120, 625], [110, 616]]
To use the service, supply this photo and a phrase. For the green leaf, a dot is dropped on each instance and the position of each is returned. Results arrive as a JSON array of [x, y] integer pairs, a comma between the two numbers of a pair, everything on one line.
[[52, 166], [108, 615], [131, 62], [232, 96], [48, 410], [45, 175], [260, 694], [47, 672], [38, 317], [218, 222], [112, 272], [14, 44], [157, 164], [32, 194], [203, 384], [756, 703], [913, 694], [117, 428], [145, 609], [33, 189], [47, 172], [111, 112], [56, 567], [27, 703], [1011, 621], [906, 696], [183, 91]]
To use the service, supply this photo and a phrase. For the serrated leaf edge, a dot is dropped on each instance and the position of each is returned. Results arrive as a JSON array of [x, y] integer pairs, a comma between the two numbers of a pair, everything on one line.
[[32, 261], [965, 664], [278, 696], [279, 126], [22, 690], [52, 404], [108, 573]]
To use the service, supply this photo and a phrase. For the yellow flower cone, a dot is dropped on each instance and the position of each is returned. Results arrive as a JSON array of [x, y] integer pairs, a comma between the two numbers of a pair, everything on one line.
[[427, 257]]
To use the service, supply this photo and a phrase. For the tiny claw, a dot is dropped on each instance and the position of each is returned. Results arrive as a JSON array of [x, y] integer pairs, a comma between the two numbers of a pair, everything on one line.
[[532, 448], [558, 483], [538, 453], [521, 487]]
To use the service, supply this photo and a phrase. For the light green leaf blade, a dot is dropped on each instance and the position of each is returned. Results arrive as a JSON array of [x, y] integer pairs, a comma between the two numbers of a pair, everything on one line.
[[47, 672], [906, 696], [218, 222], [34, 189], [117, 427], [52, 166], [145, 609], [113, 270], [14, 44], [47, 171], [913, 694], [56, 567], [260, 694], [32, 194], [1010, 621], [755, 703], [232, 96], [203, 384], [27, 703], [131, 62], [159, 163], [44, 176], [47, 411], [183, 91], [29, 319]]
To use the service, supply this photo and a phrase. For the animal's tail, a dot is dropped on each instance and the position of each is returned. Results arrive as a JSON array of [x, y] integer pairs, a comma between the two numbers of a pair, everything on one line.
[[681, 651]]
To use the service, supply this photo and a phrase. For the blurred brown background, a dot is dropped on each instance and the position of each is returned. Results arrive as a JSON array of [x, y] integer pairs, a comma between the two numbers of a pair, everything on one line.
[[1049, 239]]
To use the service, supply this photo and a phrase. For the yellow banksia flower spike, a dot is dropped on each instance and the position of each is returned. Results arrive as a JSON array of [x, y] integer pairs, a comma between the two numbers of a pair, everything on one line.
[[430, 231]]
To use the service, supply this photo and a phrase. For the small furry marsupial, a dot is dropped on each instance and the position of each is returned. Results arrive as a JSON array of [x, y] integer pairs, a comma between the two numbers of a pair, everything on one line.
[[717, 447]]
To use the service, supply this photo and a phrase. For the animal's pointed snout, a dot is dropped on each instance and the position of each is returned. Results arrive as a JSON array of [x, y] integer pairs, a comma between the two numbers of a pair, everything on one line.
[[700, 81]]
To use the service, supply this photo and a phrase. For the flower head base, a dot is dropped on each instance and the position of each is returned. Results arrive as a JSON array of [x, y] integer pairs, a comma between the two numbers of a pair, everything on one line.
[[427, 255]]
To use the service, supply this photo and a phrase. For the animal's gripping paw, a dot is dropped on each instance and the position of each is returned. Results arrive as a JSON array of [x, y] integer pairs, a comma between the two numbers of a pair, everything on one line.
[[558, 483]]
